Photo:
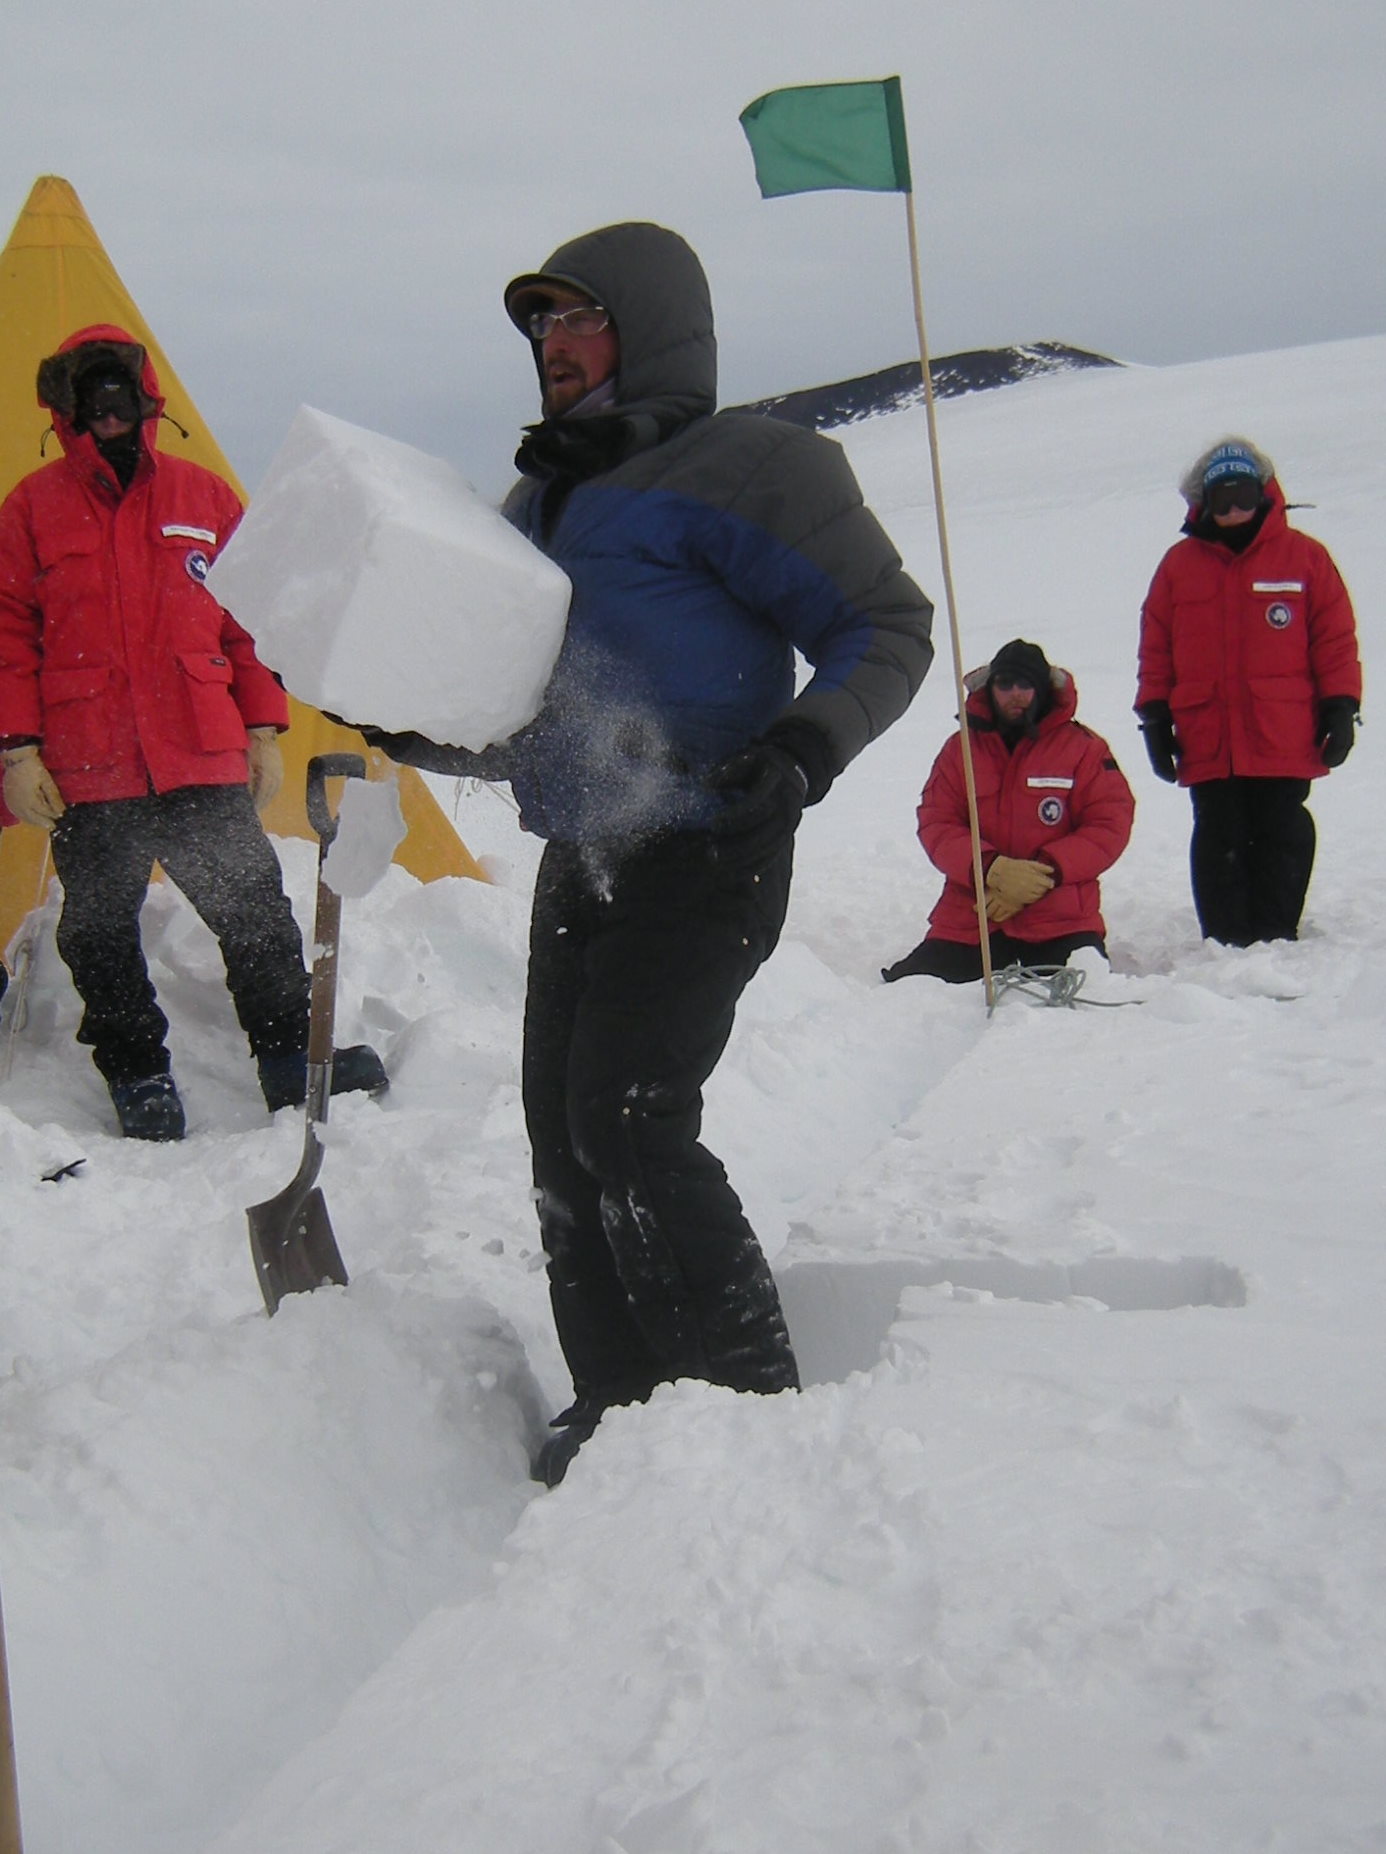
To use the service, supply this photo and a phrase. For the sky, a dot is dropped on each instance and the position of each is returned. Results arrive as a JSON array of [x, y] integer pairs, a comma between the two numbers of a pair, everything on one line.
[[321, 204], [1072, 1543]]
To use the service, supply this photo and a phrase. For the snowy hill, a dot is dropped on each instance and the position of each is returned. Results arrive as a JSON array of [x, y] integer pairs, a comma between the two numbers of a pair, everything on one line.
[[1072, 1544]]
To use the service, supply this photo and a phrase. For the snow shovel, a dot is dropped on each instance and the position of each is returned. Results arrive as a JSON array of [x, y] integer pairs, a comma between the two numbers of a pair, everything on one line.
[[291, 1237]]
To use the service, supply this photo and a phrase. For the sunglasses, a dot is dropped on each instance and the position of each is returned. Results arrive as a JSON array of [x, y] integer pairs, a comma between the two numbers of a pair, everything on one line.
[[1004, 684], [1238, 492], [588, 319]]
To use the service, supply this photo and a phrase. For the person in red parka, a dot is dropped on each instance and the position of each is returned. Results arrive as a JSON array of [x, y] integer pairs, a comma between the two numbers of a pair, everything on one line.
[[1054, 811], [1250, 686], [136, 723]]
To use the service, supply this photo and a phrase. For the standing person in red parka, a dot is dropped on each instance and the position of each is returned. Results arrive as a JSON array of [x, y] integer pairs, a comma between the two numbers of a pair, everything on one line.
[[1249, 688], [136, 724], [1054, 811]]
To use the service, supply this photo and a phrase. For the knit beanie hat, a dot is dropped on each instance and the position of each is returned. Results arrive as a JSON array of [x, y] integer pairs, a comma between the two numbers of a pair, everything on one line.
[[1025, 662], [1231, 460]]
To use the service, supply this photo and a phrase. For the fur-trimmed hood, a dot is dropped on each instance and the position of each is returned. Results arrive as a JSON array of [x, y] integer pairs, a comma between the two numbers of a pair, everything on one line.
[[1063, 697], [57, 377], [1191, 485]]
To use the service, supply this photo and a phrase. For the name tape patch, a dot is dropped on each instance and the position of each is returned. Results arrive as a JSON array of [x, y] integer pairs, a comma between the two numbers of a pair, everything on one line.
[[180, 531]]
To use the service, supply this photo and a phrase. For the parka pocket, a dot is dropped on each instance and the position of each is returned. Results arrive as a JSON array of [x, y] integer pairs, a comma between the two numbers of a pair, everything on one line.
[[1200, 723], [76, 717], [71, 584], [1283, 714], [59, 549], [217, 722]]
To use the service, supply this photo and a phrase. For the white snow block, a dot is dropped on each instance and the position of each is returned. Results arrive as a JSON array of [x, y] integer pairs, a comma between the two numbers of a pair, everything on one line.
[[370, 828], [381, 587]]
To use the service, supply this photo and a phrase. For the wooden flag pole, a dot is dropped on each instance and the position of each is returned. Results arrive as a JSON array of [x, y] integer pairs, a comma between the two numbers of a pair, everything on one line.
[[9, 1783], [969, 781]]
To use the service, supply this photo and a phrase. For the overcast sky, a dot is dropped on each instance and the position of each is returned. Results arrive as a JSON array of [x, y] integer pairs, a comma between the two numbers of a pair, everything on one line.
[[321, 203]]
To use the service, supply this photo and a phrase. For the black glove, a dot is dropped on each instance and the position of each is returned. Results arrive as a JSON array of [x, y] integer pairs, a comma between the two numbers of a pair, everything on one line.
[[767, 789], [418, 750], [1157, 725], [1337, 725]]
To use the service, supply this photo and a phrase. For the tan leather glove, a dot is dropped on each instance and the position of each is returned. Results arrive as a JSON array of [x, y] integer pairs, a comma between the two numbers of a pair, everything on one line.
[[1013, 885], [265, 764], [29, 789]]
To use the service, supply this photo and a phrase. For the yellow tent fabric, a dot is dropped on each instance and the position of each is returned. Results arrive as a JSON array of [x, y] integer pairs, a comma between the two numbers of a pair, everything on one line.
[[56, 277]]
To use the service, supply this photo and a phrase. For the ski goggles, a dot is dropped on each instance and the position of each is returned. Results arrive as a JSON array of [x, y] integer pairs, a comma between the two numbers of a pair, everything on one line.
[[106, 395], [1234, 492], [586, 319]]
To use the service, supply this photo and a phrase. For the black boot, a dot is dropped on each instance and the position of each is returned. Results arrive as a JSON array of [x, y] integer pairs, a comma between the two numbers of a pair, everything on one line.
[[575, 1426], [148, 1108], [355, 1070]]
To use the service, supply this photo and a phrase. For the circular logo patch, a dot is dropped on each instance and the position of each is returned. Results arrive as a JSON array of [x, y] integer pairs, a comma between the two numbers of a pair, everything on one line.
[[1278, 616], [198, 565], [1051, 810]]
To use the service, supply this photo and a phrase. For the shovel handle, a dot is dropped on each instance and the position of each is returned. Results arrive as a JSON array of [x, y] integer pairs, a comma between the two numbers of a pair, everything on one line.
[[326, 930], [321, 768]]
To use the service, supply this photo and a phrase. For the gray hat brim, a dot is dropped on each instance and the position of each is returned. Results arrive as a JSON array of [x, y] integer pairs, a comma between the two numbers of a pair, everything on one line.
[[536, 290]]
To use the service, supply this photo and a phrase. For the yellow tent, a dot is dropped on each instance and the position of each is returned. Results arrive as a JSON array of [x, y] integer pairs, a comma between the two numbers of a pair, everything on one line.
[[55, 277]]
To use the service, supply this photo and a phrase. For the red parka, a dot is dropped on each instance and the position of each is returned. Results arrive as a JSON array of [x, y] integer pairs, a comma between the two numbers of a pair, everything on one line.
[[1244, 647], [113, 654], [1057, 796]]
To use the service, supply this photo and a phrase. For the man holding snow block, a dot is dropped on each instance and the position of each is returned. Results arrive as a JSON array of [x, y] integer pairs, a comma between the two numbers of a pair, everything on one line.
[[1249, 688], [668, 769], [136, 724], [1054, 812]]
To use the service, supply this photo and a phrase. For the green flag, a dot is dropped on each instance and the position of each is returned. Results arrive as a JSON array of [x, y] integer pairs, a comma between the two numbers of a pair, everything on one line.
[[818, 136]]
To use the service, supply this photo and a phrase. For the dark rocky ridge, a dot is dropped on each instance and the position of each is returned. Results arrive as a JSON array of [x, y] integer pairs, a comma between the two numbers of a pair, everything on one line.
[[822, 408]]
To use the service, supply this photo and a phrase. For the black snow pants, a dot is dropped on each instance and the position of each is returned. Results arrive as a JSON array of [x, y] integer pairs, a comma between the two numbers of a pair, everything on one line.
[[959, 962], [634, 975], [210, 843], [1250, 858]]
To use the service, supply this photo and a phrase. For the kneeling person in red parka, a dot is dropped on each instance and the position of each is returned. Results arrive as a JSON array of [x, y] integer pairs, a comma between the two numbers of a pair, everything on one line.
[[1054, 812]]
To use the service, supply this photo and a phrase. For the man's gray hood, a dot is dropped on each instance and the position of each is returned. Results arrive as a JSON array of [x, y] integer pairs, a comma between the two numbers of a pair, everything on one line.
[[657, 293]]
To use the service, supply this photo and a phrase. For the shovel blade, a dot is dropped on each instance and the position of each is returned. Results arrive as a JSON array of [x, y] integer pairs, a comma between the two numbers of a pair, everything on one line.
[[293, 1246]]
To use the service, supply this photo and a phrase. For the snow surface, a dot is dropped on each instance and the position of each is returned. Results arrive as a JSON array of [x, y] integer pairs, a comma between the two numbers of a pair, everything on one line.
[[381, 587], [1073, 1544]]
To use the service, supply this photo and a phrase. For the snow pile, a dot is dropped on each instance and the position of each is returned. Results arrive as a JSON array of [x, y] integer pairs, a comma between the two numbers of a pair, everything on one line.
[[383, 589], [1071, 1545]]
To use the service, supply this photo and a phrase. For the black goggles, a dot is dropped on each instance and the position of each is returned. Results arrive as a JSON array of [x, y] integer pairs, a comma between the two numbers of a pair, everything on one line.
[[106, 395], [1234, 492]]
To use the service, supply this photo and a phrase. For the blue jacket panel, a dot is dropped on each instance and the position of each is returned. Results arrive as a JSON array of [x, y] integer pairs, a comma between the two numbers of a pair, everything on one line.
[[679, 650], [699, 567]]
